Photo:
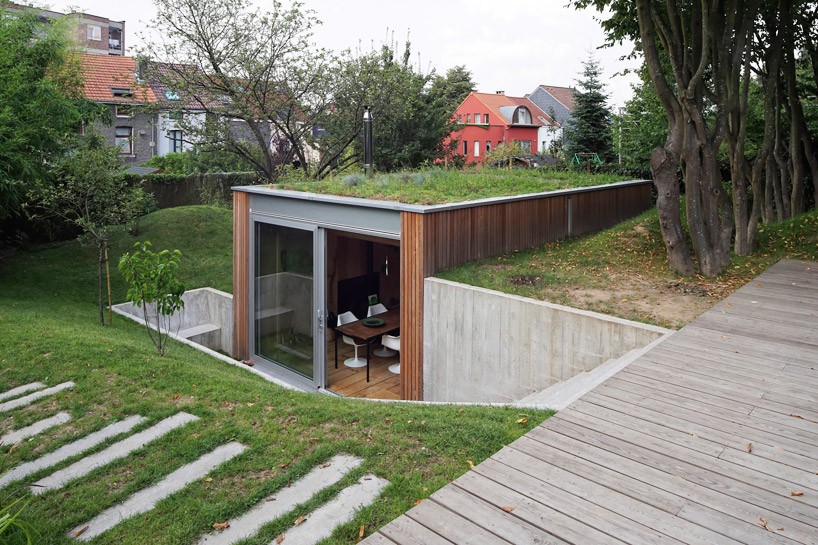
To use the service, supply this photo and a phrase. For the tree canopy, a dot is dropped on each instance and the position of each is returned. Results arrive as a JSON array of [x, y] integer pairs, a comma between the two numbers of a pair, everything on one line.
[[40, 104]]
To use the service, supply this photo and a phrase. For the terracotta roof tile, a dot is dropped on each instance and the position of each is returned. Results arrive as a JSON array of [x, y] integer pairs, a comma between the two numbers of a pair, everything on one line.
[[105, 72], [495, 101]]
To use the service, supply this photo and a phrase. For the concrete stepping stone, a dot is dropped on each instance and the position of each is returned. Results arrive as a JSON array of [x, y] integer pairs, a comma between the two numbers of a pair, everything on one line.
[[71, 449], [14, 392], [31, 398], [284, 500], [116, 451], [323, 521], [146, 499], [35, 429]]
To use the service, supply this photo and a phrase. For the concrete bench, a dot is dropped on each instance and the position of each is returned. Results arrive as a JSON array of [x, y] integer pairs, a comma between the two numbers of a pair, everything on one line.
[[208, 335]]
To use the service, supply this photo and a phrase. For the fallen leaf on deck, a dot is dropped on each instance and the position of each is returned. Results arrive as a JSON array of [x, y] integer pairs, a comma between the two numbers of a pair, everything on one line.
[[507, 509], [763, 523], [279, 539], [299, 520], [797, 416], [417, 502], [795, 494], [749, 447], [221, 525]]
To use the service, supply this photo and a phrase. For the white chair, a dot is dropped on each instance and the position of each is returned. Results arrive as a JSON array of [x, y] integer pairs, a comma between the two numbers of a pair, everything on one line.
[[383, 351], [347, 318], [393, 342]]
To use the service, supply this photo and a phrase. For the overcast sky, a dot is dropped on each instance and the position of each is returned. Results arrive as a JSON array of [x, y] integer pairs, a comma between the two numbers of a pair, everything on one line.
[[512, 46]]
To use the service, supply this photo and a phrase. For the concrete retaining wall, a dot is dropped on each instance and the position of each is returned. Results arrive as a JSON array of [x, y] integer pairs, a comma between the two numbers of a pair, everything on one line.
[[202, 306], [485, 346]]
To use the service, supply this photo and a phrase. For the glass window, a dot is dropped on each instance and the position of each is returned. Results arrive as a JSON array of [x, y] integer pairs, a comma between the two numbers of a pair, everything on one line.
[[522, 116], [525, 145], [488, 146], [465, 147], [123, 139], [477, 148], [123, 110], [94, 32], [486, 119], [468, 118], [176, 141]]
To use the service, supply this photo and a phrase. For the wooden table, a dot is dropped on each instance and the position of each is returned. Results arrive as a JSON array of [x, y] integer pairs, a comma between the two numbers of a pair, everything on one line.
[[364, 333]]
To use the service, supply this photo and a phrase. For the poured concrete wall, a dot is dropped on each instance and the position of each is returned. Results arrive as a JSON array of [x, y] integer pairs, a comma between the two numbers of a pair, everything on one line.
[[202, 306], [485, 346]]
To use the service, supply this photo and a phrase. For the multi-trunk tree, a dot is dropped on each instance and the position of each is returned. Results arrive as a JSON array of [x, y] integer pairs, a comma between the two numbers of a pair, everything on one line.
[[702, 57]]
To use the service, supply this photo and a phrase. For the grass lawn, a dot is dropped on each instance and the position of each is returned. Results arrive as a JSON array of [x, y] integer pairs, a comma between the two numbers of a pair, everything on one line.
[[49, 333], [623, 271], [438, 186]]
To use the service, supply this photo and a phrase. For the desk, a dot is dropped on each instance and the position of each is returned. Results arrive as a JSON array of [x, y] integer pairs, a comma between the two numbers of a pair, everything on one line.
[[360, 332]]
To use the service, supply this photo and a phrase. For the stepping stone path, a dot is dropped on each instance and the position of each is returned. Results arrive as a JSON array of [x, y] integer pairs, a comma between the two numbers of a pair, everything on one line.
[[312, 528]]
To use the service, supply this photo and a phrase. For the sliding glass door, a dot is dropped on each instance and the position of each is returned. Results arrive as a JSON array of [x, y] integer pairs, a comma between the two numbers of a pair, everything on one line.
[[288, 301]]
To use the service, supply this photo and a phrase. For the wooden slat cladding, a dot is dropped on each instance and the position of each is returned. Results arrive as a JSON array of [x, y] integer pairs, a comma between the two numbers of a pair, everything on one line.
[[595, 210], [413, 270], [241, 273]]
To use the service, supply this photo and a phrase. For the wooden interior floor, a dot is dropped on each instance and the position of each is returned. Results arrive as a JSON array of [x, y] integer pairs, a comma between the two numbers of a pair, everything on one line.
[[349, 382]]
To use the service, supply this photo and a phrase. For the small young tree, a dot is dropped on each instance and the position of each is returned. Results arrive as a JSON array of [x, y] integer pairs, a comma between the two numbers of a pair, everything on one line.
[[503, 155], [590, 129], [90, 191], [152, 281]]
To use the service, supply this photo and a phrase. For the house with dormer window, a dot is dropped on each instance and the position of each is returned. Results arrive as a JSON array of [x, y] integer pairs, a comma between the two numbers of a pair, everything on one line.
[[489, 120], [111, 80]]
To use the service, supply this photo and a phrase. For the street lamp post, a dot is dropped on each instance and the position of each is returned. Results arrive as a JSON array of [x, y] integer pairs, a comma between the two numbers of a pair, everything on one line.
[[367, 142]]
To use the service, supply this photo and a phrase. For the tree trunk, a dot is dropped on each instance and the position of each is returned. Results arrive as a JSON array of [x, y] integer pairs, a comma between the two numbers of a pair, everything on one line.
[[100, 281], [664, 164]]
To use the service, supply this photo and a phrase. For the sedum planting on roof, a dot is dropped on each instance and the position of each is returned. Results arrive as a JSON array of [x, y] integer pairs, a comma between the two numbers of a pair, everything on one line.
[[440, 186]]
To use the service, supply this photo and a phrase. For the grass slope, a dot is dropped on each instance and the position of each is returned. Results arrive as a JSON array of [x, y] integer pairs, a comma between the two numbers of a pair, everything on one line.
[[48, 332], [625, 267]]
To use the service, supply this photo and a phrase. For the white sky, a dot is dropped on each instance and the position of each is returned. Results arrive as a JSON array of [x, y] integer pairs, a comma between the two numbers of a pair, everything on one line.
[[511, 46]]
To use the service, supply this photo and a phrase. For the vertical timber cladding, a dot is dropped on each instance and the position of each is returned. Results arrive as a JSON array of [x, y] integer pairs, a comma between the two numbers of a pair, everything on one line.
[[412, 272], [241, 264], [605, 207]]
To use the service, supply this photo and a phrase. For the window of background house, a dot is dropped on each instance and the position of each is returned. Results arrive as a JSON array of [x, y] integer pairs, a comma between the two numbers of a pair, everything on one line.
[[459, 118], [94, 32], [123, 110], [525, 145], [465, 148], [123, 139], [468, 118], [486, 119], [488, 146], [477, 148], [175, 141]]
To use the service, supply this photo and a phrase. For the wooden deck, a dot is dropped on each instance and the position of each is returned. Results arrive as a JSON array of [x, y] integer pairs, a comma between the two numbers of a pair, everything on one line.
[[709, 438]]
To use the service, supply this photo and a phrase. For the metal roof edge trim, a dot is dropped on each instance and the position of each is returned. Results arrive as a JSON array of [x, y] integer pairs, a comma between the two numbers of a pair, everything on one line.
[[424, 209]]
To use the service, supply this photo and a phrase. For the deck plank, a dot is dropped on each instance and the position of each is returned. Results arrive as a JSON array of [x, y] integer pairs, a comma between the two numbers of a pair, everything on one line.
[[703, 439]]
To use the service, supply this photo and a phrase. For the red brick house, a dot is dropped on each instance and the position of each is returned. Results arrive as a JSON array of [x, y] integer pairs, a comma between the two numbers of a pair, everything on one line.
[[489, 120]]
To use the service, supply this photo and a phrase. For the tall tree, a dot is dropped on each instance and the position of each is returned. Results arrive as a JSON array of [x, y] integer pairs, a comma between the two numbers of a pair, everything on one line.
[[40, 104], [642, 125], [590, 128], [411, 110], [259, 76]]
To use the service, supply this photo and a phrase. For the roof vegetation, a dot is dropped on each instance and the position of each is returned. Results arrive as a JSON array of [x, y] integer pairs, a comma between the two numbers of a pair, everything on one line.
[[441, 186]]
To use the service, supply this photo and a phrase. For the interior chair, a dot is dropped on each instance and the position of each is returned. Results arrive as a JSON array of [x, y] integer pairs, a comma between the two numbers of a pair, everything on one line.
[[381, 351], [347, 318], [393, 342]]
